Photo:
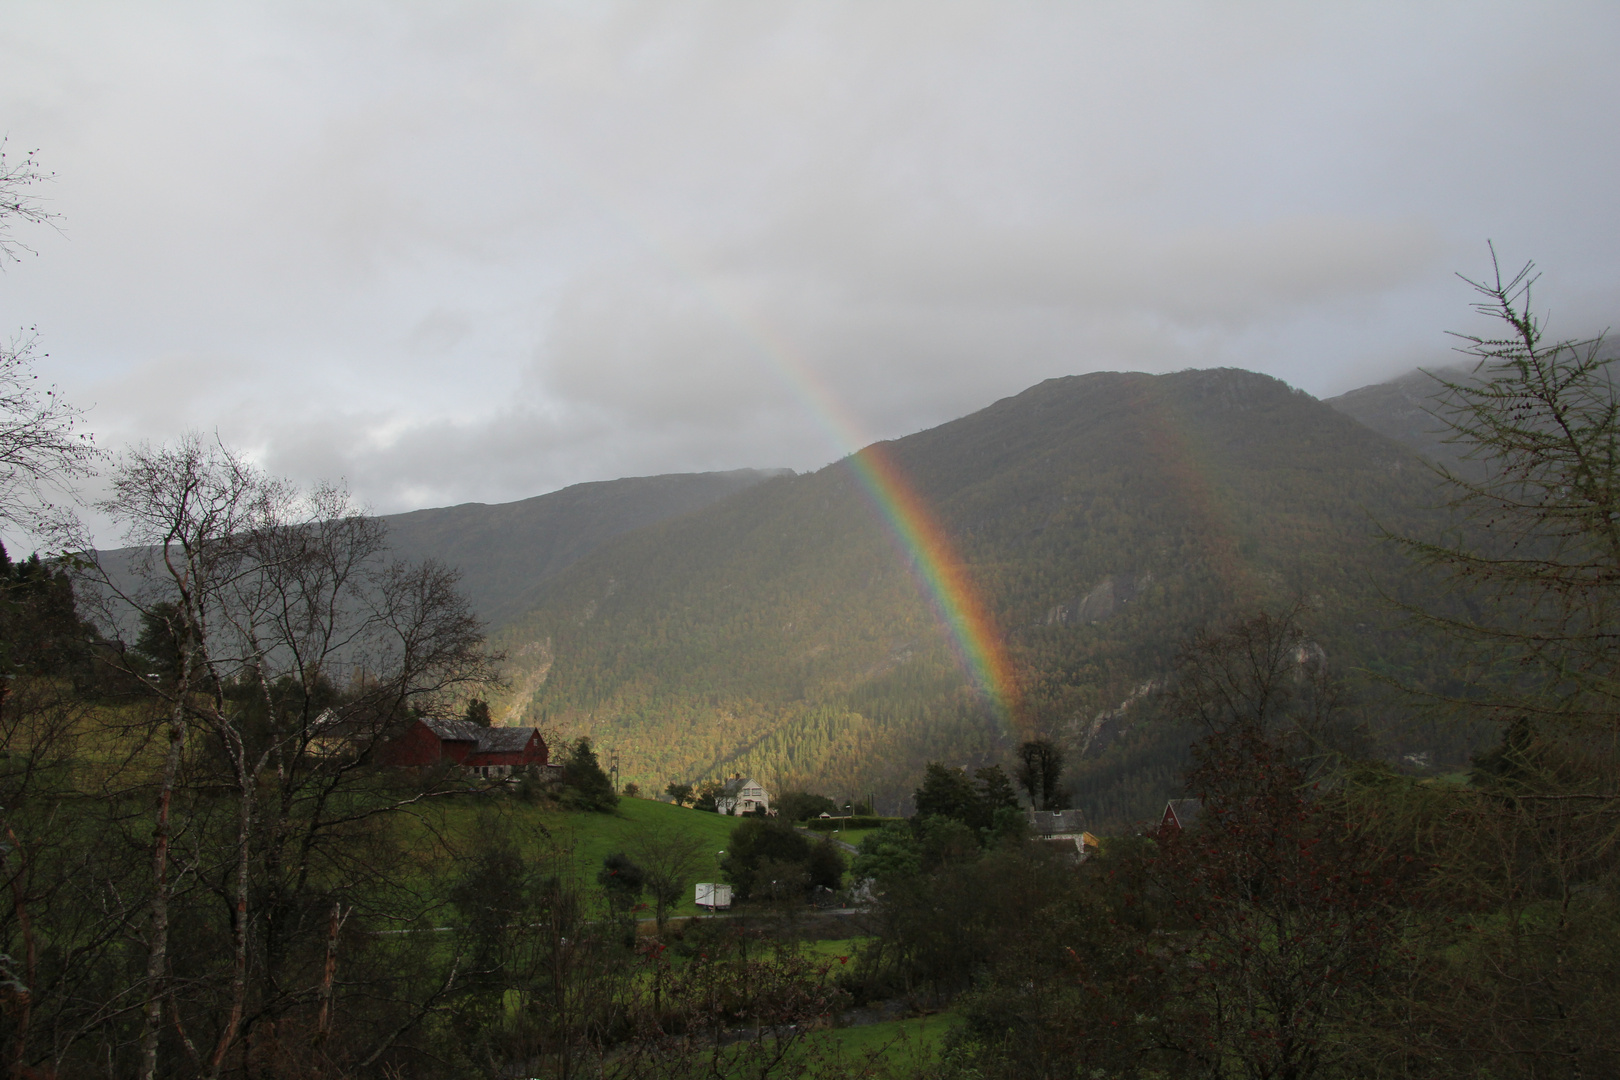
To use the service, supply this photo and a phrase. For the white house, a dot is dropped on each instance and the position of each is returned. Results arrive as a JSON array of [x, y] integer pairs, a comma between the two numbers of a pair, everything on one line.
[[741, 796]]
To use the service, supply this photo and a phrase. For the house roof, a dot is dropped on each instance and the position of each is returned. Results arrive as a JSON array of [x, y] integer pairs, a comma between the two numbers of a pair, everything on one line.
[[1185, 811], [734, 786], [1054, 822], [486, 740]]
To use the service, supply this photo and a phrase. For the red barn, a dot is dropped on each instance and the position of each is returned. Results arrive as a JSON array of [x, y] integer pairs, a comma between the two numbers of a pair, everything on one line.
[[491, 752]]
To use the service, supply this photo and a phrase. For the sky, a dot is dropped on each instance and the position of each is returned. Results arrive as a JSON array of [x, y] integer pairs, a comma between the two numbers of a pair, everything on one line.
[[479, 251]]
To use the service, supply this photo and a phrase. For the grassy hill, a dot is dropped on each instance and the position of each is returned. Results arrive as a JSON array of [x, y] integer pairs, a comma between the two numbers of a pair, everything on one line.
[[780, 632], [580, 839]]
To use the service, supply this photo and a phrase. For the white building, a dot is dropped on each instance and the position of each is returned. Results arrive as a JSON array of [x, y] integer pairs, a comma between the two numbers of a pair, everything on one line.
[[741, 796]]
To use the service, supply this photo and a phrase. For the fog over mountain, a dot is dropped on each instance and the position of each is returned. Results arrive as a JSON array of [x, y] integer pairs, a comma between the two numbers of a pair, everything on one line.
[[483, 251]]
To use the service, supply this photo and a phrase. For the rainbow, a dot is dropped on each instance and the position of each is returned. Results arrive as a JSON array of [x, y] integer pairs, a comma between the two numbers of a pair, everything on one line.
[[955, 597], [957, 601]]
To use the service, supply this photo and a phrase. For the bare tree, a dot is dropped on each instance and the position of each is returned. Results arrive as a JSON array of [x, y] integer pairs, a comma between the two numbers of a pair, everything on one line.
[[672, 859], [40, 448], [188, 507], [1264, 678], [297, 647], [18, 202]]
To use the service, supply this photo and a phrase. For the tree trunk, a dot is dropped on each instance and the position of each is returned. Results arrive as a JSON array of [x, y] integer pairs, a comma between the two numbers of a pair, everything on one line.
[[157, 957], [25, 999], [245, 778], [323, 1024]]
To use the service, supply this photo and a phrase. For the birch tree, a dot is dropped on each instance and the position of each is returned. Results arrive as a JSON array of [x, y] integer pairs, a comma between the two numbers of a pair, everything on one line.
[[298, 646]]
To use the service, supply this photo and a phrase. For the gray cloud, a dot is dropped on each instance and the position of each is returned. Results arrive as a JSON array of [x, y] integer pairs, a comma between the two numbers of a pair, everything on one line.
[[479, 251]]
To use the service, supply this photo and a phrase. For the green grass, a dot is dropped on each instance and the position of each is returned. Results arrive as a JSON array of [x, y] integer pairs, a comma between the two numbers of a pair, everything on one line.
[[832, 950], [852, 837], [585, 839], [593, 837], [913, 1042]]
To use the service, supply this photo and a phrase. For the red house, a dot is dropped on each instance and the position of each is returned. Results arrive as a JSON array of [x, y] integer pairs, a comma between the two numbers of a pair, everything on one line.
[[490, 752]]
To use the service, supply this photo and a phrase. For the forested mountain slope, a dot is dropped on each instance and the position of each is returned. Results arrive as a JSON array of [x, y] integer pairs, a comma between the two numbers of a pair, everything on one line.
[[1105, 516], [1401, 408], [504, 550]]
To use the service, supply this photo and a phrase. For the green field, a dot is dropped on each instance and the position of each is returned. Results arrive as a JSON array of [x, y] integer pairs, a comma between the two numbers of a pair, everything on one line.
[[593, 837], [906, 1045], [852, 837], [582, 839], [834, 948]]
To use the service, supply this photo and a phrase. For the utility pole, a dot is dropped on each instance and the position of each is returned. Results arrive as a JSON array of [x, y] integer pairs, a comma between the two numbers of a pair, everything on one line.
[[613, 769]]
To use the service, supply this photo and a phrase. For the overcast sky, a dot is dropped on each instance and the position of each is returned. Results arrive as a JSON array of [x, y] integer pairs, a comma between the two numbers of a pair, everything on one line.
[[466, 251]]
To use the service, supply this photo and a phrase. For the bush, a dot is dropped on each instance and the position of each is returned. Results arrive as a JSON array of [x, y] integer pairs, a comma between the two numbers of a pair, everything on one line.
[[825, 867], [622, 880]]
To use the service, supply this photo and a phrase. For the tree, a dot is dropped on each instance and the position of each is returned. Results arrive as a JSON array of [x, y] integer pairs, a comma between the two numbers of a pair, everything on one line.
[[763, 844], [1040, 769], [946, 793], [1290, 909], [825, 866], [679, 794], [801, 805], [1538, 557], [40, 629], [585, 785], [478, 713], [672, 859], [40, 448], [703, 798], [995, 792], [982, 805], [889, 854], [295, 647], [1534, 573], [1264, 676], [17, 202], [622, 880]]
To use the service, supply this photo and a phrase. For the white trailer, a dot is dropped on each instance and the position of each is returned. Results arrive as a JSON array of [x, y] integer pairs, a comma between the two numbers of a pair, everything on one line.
[[714, 896]]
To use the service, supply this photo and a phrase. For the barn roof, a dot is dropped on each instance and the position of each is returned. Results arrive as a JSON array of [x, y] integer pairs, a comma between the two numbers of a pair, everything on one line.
[[486, 740], [1185, 811]]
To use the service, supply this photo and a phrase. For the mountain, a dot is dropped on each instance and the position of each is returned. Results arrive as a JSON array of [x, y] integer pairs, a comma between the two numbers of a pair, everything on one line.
[[506, 550], [1400, 408], [783, 632]]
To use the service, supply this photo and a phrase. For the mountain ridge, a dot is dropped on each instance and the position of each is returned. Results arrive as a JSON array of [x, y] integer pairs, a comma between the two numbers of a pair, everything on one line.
[[779, 630], [552, 530]]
